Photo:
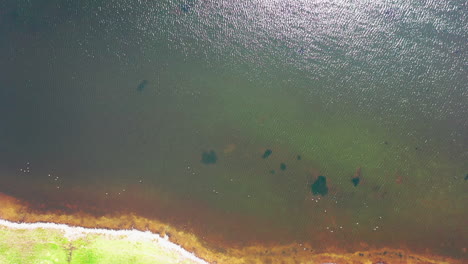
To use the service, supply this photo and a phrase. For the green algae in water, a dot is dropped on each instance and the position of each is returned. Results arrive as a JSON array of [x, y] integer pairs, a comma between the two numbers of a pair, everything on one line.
[[209, 157], [319, 187], [267, 153]]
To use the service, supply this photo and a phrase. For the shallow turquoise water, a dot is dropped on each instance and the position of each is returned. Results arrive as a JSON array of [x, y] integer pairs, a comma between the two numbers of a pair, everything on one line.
[[118, 101]]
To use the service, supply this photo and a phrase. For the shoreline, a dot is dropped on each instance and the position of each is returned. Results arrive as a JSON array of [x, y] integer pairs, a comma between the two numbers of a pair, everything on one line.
[[73, 233], [17, 215]]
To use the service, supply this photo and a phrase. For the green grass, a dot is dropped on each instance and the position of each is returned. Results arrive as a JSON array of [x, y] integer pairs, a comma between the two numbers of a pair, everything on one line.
[[44, 246]]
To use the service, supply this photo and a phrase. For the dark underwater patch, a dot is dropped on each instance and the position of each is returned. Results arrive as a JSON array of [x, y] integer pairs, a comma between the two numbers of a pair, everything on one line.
[[267, 153], [355, 181], [283, 166], [143, 84], [319, 187], [299, 157], [466, 177], [209, 157], [187, 5]]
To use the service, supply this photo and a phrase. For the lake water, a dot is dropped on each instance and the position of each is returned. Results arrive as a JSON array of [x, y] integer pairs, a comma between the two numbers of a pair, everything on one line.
[[220, 116]]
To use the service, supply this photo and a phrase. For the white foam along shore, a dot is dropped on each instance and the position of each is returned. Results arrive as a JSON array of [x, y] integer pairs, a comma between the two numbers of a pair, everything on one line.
[[75, 232]]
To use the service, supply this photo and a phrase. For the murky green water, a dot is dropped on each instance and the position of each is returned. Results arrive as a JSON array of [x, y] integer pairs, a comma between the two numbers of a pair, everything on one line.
[[120, 100]]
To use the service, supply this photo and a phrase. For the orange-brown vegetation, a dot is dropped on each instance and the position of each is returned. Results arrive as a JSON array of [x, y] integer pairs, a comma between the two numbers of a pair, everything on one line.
[[16, 210]]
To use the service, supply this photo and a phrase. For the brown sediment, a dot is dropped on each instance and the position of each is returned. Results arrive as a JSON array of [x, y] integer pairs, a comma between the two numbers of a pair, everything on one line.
[[399, 179], [16, 210], [357, 173], [229, 148]]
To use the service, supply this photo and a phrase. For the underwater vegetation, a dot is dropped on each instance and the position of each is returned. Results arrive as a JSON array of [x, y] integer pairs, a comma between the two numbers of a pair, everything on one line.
[[283, 166], [143, 84], [209, 157], [267, 153], [355, 181], [187, 5], [319, 187], [357, 177]]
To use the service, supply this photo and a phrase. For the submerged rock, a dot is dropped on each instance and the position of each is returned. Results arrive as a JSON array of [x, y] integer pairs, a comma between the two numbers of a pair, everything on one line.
[[319, 187], [209, 157]]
